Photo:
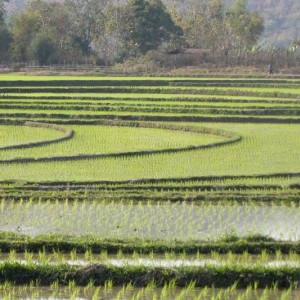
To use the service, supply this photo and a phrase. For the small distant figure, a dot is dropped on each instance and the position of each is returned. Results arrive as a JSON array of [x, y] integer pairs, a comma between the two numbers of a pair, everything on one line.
[[270, 70]]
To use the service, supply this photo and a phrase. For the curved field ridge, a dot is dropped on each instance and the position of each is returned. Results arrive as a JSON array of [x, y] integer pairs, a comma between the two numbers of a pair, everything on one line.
[[229, 139], [68, 134]]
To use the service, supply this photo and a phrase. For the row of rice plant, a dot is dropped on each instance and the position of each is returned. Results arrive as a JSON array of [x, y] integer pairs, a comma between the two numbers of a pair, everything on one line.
[[169, 291], [167, 259], [163, 193]]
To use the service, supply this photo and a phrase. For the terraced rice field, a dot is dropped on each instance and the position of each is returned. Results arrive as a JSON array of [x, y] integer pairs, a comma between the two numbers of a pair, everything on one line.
[[151, 165]]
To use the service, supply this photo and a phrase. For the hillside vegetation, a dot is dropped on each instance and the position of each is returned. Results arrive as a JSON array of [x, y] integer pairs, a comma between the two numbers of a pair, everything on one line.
[[281, 18]]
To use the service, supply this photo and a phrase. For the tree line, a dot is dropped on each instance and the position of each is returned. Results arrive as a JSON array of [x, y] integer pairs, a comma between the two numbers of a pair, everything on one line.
[[106, 32]]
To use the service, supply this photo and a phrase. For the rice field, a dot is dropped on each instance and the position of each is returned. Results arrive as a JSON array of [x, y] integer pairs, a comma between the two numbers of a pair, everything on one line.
[[150, 221], [150, 165]]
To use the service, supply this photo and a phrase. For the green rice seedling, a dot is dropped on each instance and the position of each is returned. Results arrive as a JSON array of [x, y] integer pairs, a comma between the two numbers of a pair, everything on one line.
[[151, 285], [103, 255], [90, 285], [72, 284], [28, 256], [139, 295], [183, 294], [54, 285], [286, 294], [128, 287], [9, 295], [96, 293], [215, 255], [108, 284], [265, 295], [169, 255], [135, 255], [191, 286], [55, 294], [88, 255], [182, 255], [171, 284], [58, 256], [230, 258], [12, 255], [34, 283], [164, 292], [43, 258], [119, 254], [204, 292], [233, 287], [121, 294], [75, 293], [274, 286], [278, 254], [73, 254], [6, 285], [151, 254], [264, 256]]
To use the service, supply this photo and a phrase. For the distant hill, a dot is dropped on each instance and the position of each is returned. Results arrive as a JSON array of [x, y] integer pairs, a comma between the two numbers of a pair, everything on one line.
[[282, 18]]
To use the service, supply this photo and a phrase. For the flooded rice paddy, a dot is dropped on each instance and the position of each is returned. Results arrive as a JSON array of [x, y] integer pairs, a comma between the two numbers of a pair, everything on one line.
[[151, 220]]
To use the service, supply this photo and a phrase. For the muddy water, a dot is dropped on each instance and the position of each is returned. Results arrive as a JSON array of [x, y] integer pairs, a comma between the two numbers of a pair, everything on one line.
[[152, 221]]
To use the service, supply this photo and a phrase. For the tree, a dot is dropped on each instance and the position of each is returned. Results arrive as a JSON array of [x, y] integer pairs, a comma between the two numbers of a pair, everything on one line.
[[203, 22], [87, 22], [5, 40], [24, 28], [56, 25], [5, 37], [246, 26], [42, 48], [109, 45], [2, 11], [147, 26]]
